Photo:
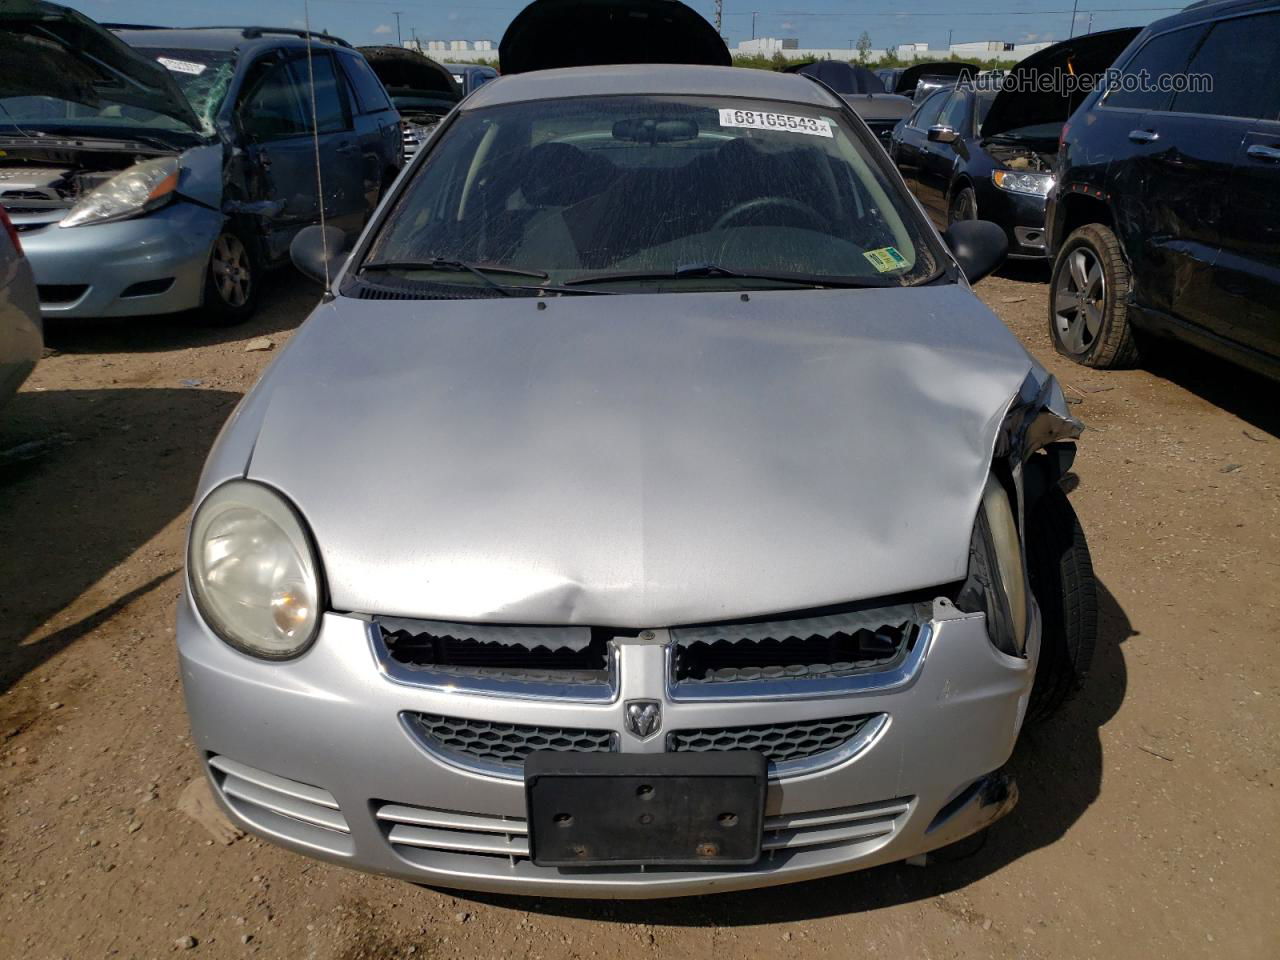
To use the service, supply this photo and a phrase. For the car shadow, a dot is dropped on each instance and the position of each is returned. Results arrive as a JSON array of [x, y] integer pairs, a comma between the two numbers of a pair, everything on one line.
[[287, 298], [1057, 765], [1026, 271], [87, 478], [1248, 395]]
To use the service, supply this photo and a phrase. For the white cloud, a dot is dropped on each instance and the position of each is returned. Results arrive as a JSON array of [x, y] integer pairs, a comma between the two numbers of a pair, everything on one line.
[[787, 25], [382, 28]]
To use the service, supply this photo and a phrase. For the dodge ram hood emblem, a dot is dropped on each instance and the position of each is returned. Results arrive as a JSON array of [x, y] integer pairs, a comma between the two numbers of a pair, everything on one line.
[[644, 717]]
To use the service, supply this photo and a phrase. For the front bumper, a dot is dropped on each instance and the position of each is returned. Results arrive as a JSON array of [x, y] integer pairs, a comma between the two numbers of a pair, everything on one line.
[[1022, 216], [149, 265], [313, 754]]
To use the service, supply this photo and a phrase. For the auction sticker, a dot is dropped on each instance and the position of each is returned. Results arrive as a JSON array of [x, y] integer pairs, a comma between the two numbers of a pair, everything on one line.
[[785, 122], [182, 66], [886, 259]]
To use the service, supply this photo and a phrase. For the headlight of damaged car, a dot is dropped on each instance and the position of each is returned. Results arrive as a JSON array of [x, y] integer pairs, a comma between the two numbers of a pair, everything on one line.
[[997, 583], [253, 571], [1015, 181], [143, 187]]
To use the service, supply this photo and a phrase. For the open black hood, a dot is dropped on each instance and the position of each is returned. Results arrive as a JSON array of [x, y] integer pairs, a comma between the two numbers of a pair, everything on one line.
[[909, 77], [407, 71], [50, 50], [841, 77], [578, 33], [1089, 55]]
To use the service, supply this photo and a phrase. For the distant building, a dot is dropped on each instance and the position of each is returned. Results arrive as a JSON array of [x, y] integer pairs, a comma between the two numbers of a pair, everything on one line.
[[981, 50], [788, 47]]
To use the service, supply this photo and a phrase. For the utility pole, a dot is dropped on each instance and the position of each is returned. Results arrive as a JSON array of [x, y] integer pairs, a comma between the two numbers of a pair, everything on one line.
[[753, 23], [1074, 4], [949, 41], [719, 14], [1090, 21], [399, 42], [413, 35]]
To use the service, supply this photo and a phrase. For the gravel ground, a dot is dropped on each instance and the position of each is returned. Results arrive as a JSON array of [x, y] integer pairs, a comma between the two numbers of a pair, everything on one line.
[[1149, 814]]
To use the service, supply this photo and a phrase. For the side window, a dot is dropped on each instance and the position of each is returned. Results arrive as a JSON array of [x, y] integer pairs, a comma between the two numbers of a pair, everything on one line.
[[332, 115], [1238, 58], [1139, 87], [269, 108], [370, 94], [953, 115], [927, 115]]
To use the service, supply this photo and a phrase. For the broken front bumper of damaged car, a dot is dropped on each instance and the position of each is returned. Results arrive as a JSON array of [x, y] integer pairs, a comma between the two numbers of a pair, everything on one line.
[[354, 756], [147, 265]]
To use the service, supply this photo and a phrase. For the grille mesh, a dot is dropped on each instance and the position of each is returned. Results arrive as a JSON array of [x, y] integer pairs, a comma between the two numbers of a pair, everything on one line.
[[504, 743], [779, 742]]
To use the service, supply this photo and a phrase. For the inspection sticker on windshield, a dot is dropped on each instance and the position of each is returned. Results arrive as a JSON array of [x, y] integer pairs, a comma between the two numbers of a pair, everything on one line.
[[786, 122], [886, 259], [182, 66]]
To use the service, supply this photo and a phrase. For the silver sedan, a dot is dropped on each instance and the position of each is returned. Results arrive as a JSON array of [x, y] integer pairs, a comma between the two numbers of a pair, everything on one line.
[[651, 510]]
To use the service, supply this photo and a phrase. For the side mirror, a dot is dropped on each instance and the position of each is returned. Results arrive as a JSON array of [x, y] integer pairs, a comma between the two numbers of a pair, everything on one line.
[[940, 134], [317, 251], [979, 246]]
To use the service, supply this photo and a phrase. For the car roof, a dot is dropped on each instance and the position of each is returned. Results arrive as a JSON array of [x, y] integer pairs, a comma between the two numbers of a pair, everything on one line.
[[217, 38], [663, 79]]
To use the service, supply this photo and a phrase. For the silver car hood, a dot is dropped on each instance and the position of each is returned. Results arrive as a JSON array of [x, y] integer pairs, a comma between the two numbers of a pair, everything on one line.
[[635, 460]]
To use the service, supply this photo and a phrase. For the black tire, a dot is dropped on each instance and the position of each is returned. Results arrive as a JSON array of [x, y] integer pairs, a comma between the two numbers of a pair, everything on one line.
[[964, 206], [1061, 576], [1089, 300], [231, 280]]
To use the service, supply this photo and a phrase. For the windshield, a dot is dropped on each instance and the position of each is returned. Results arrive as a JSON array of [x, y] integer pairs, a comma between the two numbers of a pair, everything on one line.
[[202, 75], [983, 107], [609, 187]]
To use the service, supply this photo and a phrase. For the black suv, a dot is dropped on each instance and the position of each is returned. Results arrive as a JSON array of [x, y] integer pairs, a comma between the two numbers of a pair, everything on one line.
[[1165, 217]]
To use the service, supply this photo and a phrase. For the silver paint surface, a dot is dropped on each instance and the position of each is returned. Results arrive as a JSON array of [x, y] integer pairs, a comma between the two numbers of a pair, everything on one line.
[[642, 460]]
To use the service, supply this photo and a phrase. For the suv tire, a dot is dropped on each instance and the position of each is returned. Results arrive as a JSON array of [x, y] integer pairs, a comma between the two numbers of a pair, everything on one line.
[[1088, 300], [1060, 572], [231, 280]]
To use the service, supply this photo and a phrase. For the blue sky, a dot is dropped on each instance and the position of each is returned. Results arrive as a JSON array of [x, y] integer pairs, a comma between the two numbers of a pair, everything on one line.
[[816, 23]]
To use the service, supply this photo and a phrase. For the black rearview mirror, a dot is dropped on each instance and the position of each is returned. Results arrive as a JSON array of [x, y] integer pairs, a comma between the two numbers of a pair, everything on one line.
[[319, 252], [943, 134], [979, 246]]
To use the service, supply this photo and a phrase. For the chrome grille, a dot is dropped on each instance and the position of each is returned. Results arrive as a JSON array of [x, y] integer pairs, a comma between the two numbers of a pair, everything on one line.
[[779, 742], [565, 655], [503, 744], [297, 811], [821, 647], [440, 839]]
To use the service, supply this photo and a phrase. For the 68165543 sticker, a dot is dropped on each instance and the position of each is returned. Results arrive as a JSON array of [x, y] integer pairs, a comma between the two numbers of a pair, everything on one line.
[[784, 122]]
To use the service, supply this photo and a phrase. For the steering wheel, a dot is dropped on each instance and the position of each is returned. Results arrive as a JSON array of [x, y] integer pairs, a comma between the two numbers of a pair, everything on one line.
[[748, 208]]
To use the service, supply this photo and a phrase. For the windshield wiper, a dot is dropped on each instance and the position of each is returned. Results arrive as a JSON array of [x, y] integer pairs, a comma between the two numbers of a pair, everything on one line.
[[694, 270], [481, 270]]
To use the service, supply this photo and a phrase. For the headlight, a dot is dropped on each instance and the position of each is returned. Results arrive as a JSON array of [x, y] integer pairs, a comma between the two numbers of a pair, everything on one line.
[[253, 571], [997, 583], [141, 188], [1034, 184]]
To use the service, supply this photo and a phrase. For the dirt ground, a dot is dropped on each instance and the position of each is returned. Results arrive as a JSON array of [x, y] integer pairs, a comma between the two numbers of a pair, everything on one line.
[[1149, 818]]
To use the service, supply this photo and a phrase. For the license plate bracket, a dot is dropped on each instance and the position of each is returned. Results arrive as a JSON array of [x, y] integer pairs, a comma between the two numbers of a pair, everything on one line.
[[662, 809]]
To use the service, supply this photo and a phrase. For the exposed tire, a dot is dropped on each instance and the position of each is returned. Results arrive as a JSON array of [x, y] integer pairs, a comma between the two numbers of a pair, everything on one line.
[[1088, 300], [1061, 577], [231, 281], [964, 206]]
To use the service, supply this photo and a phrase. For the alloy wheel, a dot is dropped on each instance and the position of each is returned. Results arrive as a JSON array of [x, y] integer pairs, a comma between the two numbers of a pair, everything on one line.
[[231, 270], [1079, 299]]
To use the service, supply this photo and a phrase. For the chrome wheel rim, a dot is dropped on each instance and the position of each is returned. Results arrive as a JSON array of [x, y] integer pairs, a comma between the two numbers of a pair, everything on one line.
[[963, 208], [1079, 299], [230, 270]]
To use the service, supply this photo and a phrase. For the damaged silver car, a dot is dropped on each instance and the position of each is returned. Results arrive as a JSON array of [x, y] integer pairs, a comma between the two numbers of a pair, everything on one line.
[[648, 509], [158, 170]]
